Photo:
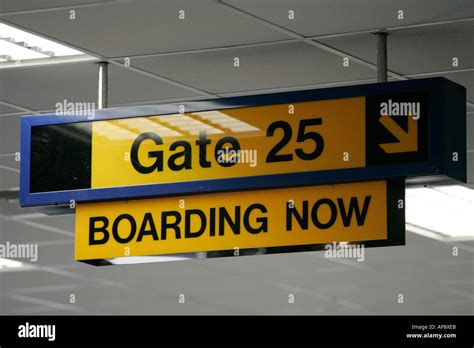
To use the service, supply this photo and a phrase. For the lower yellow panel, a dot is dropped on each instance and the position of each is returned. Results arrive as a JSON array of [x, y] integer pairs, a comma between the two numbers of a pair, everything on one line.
[[224, 221]]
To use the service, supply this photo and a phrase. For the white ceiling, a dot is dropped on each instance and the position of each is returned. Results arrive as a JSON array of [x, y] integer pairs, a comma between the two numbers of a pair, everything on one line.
[[416, 50], [193, 59], [264, 67], [325, 17]]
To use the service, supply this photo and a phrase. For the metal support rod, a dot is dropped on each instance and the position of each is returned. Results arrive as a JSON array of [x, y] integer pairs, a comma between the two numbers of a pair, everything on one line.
[[381, 56], [102, 97]]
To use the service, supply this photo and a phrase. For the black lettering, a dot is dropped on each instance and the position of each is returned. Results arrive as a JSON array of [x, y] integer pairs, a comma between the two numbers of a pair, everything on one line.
[[173, 225], [212, 222], [93, 229], [302, 220], [187, 223], [332, 218], [273, 155], [133, 228], [234, 225], [186, 153], [354, 206], [147, 220], [202, 143], [263, 227], [158, 165]]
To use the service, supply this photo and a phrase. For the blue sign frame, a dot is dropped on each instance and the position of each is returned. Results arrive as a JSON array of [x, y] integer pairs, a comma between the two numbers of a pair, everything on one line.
[[445, 98]]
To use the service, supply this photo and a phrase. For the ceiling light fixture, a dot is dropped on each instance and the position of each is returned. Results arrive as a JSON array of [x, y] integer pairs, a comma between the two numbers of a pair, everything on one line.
[[148, 259], [19, 48], [7, 265], [5, 58], [444, 212]]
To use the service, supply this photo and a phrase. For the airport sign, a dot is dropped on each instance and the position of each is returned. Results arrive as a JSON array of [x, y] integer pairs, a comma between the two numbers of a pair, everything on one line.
[[241, 223], [407, 129]]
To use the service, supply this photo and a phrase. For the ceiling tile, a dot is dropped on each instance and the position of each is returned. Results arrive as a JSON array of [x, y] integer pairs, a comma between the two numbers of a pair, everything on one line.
[[417, 50], [56, 254], [60, 222], [78, 83], [29, 279], [338, 16], [126, 86], [282, 65], [49, 85], [142, 27], [4, 109], [9, 178], [7, 6], [9, 136], [470, 168], [18, 233]]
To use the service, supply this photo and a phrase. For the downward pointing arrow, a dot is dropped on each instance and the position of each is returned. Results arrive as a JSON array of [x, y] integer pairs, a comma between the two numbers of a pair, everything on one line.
[[407, 141]]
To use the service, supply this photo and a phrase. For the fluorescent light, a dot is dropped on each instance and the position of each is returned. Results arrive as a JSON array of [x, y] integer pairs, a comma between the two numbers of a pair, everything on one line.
[[146, 259], [31, 40], [445, 213], [18, 52], [30, 49], [7, 265]]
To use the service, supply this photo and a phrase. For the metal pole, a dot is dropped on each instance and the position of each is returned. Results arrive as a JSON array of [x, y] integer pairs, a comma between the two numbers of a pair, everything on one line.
[[381, 56], [102, 97]]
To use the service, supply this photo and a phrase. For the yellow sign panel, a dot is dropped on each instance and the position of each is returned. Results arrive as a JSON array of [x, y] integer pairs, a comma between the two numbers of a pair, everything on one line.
[[250, 141], [225, 221]]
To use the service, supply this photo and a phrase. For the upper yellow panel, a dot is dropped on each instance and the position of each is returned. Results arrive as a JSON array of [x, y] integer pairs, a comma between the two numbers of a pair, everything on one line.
[[284, 138]]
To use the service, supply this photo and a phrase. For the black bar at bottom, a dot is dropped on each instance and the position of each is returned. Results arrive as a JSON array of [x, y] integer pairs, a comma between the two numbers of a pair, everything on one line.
[[291, 330]]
